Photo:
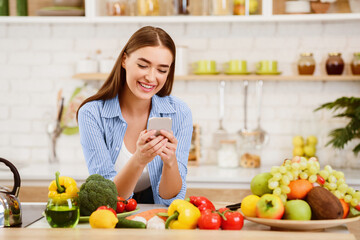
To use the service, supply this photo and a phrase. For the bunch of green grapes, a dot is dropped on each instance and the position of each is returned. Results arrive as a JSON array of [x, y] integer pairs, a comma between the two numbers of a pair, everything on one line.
[[334, 181], [297, 168]]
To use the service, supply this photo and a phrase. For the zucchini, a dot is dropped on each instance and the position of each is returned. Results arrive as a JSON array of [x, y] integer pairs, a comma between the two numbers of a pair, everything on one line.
[[126, 223]]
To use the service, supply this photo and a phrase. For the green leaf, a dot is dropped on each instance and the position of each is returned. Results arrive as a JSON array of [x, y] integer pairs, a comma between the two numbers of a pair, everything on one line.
[[350, 107], [70, 130]]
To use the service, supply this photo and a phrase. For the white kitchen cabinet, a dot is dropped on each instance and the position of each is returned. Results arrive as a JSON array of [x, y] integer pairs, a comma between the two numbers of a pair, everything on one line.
[[95, 13]]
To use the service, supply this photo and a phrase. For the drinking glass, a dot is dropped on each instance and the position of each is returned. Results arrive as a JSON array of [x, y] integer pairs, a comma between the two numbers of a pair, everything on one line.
[[62, 211]]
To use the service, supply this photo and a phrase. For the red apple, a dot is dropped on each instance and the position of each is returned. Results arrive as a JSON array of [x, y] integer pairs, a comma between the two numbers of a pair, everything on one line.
[[270, 206]]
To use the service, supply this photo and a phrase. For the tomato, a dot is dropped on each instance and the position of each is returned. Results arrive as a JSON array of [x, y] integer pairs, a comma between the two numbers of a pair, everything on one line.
[[121, 199], [107, 208], [120, 207], [221, 210], [131, 205], [232, 221], [209, 220]]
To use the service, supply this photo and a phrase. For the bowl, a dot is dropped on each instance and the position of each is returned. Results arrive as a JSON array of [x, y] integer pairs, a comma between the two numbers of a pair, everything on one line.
[[297, 7]]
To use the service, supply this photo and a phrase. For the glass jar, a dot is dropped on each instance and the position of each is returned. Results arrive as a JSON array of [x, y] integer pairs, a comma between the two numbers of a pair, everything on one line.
[[199, 8], [182, 7], [4, 8], [248, 151], [227, 155], [306, 64], [334, 64], [148, 8], [222, 7], [62, 211], [116, 7], [166, 8], [21, 7], [239, 7], [355, 64]]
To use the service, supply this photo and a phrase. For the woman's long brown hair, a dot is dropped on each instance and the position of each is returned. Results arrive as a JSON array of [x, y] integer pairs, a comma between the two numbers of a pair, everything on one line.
[[144, 37]]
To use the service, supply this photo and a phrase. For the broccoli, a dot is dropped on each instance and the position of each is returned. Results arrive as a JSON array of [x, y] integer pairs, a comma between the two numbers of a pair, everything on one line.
[[95, 192]]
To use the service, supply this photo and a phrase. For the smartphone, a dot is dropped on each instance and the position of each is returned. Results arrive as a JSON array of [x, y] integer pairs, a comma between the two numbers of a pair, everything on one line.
[[159, 123]]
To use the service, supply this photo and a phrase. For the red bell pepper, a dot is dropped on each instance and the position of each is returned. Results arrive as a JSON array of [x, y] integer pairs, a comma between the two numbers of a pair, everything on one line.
[[232, 220], [209, 220], [202, 203]]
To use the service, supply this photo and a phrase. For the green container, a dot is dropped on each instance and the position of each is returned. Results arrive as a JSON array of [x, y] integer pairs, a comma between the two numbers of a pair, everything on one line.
[[4, 7], [21, 8]]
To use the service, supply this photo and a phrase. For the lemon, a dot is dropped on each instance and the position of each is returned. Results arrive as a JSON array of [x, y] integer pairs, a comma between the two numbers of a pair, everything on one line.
[[248, 205], [298, 141], [311, 140], [298, 151], [310, 150], [103, 219]]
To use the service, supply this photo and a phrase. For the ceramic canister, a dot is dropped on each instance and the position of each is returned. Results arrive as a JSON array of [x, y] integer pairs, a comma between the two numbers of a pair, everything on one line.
[[181, 61], [87, 66]]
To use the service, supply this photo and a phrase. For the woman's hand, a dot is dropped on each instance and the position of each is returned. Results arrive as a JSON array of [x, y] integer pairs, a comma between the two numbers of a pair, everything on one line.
[[148, 146], [167, 154]]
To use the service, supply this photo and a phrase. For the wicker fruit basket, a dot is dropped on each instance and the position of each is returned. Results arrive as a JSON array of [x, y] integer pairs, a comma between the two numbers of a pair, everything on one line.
[[319, 7]]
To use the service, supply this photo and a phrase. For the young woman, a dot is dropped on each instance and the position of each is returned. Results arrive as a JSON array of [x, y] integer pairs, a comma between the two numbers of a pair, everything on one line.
[[113, 123]]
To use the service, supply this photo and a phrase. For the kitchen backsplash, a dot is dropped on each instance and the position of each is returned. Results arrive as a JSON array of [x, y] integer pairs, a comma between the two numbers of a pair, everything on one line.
[[36, 60]]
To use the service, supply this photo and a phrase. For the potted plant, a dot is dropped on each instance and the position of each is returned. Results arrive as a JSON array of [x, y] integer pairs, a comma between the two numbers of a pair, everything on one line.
[[341, 136], [320, 6]]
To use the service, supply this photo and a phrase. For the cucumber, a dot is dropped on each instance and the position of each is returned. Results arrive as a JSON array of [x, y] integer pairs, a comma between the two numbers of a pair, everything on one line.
[[126, 223]]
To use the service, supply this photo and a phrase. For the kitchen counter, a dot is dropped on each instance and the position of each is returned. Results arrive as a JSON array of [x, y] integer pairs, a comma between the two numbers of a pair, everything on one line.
[[95, 234], [40, 230], [204, 176]]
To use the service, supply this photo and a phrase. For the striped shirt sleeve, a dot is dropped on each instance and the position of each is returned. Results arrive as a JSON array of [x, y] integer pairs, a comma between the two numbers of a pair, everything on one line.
[[183, 128], [92, 138]]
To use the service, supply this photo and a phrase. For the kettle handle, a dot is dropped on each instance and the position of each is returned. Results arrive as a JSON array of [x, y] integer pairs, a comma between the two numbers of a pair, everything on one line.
[[17, 180]]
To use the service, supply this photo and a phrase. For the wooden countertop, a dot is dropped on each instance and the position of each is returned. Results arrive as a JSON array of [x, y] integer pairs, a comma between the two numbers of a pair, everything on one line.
[[250, 231], [95, 234]]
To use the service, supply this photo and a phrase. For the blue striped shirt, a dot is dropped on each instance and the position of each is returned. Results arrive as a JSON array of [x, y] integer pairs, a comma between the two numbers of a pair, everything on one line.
[[102, 129]]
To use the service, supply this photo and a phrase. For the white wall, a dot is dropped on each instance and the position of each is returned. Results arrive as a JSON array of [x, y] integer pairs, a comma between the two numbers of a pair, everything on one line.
[[36, 60]]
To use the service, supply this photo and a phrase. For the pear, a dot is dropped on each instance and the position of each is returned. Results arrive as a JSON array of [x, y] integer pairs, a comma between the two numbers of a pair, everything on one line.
[[259, 184]]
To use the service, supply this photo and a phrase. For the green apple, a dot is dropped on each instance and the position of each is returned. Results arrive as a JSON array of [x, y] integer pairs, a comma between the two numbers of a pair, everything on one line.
[[270, 206], [297, 210], [259, 184], [298, 141]]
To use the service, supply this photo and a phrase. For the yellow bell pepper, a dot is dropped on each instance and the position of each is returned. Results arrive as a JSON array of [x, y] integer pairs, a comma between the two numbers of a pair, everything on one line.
[[63, 187], [183, 215]]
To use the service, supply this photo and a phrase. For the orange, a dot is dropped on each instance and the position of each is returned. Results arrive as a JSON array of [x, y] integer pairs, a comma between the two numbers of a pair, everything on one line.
[[299, 189], [345, 207]]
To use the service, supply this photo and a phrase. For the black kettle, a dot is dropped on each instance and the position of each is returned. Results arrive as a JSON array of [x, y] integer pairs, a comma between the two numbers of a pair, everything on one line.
[[10, 208]]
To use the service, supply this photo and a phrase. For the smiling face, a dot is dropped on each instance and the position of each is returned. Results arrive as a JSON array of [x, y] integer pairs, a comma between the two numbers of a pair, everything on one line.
[[146, 70]]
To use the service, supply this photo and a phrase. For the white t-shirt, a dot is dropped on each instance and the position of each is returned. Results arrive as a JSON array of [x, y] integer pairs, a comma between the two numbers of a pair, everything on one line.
[[124, 156]]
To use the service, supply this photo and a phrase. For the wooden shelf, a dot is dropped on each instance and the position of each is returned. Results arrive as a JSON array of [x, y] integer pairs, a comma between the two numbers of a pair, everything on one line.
[[185, 19], [95, 12], [103, 76]]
